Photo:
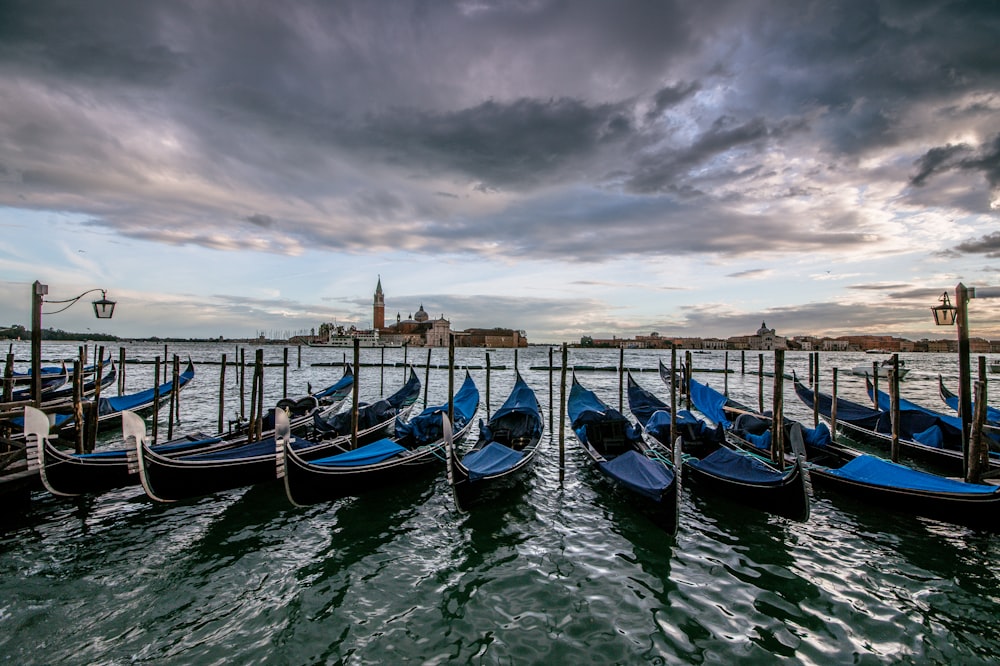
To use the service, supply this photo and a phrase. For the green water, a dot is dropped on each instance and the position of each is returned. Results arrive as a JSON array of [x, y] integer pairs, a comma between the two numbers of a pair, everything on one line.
[[560, 569]]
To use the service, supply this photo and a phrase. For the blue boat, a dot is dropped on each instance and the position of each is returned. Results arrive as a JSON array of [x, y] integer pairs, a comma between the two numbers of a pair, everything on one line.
[[618, 450], [506, 446], [715, 459], [417, 445]]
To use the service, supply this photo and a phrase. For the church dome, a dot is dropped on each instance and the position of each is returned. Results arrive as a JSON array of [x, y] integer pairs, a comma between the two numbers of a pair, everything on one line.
[[421, 315]]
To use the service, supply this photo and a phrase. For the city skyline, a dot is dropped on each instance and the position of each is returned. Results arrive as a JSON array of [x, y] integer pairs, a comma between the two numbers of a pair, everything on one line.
[[565, 168]]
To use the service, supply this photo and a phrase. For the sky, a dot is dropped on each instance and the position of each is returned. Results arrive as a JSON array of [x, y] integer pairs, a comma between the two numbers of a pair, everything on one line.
[[568, 168]]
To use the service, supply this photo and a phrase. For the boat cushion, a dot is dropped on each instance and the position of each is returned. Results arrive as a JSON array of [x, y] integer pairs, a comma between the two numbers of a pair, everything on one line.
[[930, 437], [729, 464], [494, 458], [369, 454], [639, 473], [880, 472]]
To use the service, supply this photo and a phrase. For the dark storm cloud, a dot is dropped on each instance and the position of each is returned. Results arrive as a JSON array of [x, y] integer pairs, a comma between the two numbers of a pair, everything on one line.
[[367, 127]]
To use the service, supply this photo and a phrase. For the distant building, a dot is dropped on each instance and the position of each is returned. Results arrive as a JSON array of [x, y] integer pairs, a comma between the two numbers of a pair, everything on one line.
[[419, 330]]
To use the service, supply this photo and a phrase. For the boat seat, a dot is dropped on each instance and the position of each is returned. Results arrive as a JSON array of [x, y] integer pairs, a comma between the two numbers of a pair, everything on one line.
[[609, 437]]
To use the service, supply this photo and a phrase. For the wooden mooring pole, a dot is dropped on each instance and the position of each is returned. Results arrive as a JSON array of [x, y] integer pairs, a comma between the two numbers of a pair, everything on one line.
[[156, 398], [354, 389], [778, 412], [222, 393], [833, 409], [562, 414]]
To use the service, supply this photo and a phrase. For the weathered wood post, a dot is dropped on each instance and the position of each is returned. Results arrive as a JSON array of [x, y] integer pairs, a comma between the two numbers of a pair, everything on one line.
[[833, 409], [354, 407], [875, 386], [978, 446], [778, 412], [562, 414], [222, 392], [121, 371], [621, 378], [760, 383], [284, 375], [725, 377], [743, 362], [252, 423], [381, 382], [78, 404], [299, 359], [259, 370], [96, 400], [427, 370], [815, 394], [173, 396], [406, 351], [894, 407], [688, 375], [243, 382], [451, 377], [552, 424], [8, 377], [156, 398], [673, 394], [487, 386]]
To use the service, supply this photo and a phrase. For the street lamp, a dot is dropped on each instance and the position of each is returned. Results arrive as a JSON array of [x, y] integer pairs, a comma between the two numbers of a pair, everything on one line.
[[947, 314], [103, 309]]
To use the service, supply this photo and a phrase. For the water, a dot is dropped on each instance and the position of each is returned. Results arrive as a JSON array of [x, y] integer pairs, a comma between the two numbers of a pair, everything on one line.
[[557, 571]]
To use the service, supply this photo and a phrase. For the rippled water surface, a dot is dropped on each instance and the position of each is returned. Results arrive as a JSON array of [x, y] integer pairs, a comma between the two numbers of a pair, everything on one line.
[[558, 569]]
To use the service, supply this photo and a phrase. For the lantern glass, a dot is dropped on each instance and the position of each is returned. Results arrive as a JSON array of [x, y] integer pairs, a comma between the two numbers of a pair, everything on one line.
[[944, 314], [103, 308]]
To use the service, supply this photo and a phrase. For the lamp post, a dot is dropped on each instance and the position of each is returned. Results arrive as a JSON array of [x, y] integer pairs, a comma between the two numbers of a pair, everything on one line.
[[947, 314], [103, 309]]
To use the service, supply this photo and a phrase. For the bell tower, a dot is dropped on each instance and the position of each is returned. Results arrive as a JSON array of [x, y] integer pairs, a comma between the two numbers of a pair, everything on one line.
[[378, 308]]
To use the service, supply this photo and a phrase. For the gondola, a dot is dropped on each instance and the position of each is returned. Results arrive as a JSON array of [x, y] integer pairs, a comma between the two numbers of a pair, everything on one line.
[[66, 473], [173, 478], [882, 484], [718, 460], [57, 401], [922, 436], [617, 450], [506, 445], [950, 399], [417, 446], [109, 409], [50, 383]]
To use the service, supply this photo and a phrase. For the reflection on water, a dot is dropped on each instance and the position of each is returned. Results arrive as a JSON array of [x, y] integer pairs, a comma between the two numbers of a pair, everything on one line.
[[560, 569]]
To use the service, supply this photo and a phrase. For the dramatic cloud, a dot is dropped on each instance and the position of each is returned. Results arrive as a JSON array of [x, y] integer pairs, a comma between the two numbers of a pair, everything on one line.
[[779, 144]]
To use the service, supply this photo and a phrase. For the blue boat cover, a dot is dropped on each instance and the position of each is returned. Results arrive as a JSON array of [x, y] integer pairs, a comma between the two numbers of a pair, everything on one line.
[[639, 474], [494, 458], [140, 399], [885, 404], [912, 422], [369, 454], [345, 381], [710, 402], [426, 426], [729, 464], [880, 472], [266, 446], [690, 426], [521, 399]]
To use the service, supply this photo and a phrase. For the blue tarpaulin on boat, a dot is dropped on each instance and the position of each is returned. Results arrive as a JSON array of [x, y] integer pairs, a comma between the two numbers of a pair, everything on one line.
[[639, 474], [141, 399], [737, 466], [931, 437], [345, 381], [880, 472], [261, 448], [689, 426], [426, 426], [710, 402], [494, 458], [369, 454]]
